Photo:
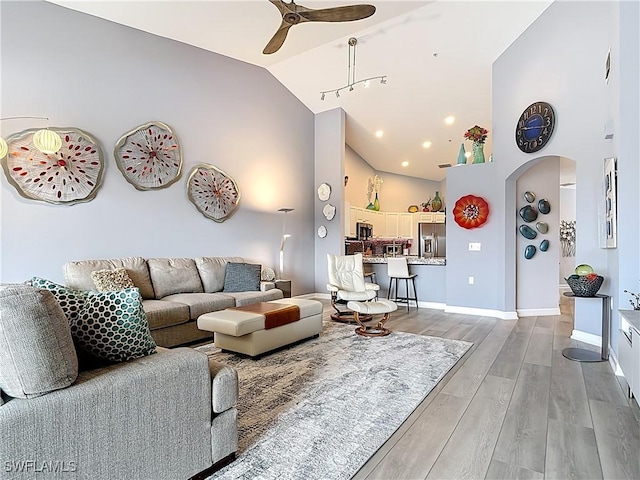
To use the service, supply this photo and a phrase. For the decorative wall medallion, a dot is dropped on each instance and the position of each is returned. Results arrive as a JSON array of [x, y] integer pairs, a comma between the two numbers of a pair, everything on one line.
[[329, 211], [529, 252], [322, 231], [528, 213], [71, 175], [527, 232], [324, 192], [529, 197], [544, 245], [471, 211], [149, 156], [213, 192], [544, 206], [542, 227]]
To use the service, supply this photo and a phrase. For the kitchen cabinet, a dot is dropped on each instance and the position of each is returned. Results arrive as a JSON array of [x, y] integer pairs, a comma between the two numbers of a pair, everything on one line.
[[405, 225], [391, 222], [378, 222], [629, 349]]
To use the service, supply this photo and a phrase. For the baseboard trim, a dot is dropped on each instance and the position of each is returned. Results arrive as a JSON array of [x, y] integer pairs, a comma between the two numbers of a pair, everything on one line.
[[482, 312], [537, 312], [584, 337], [434, 305]]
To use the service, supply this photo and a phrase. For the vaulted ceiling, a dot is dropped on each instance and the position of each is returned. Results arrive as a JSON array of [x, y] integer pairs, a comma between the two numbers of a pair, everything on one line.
[[436, 55]]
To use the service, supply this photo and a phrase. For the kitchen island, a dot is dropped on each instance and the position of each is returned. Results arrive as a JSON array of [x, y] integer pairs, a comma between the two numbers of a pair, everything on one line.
[[430, 281]]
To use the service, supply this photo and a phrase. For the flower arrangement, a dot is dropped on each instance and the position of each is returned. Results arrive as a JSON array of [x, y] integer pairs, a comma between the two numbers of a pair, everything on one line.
[[568, 237], [377, 183], [635, 300], [476, 134]]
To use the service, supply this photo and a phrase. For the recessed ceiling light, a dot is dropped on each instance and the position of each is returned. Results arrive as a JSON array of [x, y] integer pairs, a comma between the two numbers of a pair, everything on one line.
[[405, 164], [450, 120], [426, 144], [379, 133]]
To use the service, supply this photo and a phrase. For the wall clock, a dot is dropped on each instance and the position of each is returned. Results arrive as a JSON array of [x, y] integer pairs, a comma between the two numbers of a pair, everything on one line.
[[149, 156], [71, 175], [213, 192], [535, 127]]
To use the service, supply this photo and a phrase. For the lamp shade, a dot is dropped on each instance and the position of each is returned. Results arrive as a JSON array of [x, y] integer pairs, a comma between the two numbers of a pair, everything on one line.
[[47, 141], [3, 148]]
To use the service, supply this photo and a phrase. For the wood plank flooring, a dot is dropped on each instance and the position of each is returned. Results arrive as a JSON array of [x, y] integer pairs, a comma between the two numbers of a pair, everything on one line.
[[513, 407]]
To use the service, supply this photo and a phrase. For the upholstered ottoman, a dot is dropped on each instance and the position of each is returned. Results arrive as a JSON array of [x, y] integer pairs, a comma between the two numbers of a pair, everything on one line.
[[247, 332], [381, 306]]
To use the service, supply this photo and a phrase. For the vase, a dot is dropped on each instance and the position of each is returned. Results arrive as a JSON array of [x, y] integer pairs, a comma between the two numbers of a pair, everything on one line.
[[376, 203], [478, 153], [371, 206], [436, 203], [462, 158]]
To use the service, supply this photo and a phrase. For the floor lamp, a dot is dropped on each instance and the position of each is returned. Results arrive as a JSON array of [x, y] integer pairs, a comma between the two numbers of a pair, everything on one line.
[[285, 236]]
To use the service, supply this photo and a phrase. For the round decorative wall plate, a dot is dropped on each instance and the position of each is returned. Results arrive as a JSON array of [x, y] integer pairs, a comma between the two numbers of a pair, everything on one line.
[[213, 192], [71, 175], [471, 211], [149, 156], [322, 231], [324, 192], [329, 211]]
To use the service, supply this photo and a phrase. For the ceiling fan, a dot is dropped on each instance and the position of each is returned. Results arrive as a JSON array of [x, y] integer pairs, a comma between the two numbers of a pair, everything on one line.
[[293, 14]]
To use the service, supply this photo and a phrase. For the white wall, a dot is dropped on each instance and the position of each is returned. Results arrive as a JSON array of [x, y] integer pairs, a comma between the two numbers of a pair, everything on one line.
[[106, 79]]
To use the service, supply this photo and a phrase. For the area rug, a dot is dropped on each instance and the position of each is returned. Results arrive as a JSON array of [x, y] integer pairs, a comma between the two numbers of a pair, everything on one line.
[[321, 409]]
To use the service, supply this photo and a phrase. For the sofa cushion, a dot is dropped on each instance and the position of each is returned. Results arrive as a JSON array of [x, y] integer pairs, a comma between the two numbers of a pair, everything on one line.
[[71, 301], [37, 354], [111, 280], [161, 313], [242, 277], [174, 275], [212, 271], [77, 275], [113, 326], [246, 298], [200, 303]]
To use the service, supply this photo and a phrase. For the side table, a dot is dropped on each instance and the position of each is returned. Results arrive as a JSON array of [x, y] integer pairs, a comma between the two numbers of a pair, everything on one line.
[[285, 286], [583, 355]]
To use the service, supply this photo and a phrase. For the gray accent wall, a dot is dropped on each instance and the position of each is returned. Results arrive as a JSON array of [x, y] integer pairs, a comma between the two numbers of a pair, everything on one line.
[[106, 78]]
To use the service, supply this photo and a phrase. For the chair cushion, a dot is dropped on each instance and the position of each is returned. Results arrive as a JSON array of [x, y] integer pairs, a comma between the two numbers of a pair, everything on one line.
[[346, 272], [174, 275], [212, 271], [37, 354], [110, 280], [357, 296], [242, 277], [77, 275]]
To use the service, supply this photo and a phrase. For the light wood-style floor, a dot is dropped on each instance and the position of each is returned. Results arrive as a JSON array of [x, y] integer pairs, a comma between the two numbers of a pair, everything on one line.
[[513, 407]]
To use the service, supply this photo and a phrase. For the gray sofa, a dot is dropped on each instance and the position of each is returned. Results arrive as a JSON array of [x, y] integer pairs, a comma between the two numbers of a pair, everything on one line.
[[175, 291], [168, 415]]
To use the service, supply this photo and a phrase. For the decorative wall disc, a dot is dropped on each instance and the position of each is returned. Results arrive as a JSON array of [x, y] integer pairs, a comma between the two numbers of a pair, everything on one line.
[[213, 192], [71, 175], [324, 192], [149, 156], [471, 211], [322, 231], [329, 211]]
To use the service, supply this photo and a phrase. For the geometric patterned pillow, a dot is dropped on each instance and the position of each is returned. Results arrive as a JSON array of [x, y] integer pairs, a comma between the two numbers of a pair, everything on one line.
[[110, 280], [242, 277], [70, 300], [113, 326]]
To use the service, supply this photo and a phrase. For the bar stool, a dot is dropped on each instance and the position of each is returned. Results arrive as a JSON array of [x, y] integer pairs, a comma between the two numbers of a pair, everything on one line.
[[397, 269]]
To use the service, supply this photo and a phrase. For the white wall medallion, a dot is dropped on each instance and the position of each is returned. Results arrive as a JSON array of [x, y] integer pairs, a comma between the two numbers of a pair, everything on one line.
[[149, 156], [329, 211], [324, 192], [71, 175], [322, 231], [214, 193]]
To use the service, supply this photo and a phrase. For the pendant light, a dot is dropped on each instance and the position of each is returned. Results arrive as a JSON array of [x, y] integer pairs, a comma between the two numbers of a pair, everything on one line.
[[45, 140]]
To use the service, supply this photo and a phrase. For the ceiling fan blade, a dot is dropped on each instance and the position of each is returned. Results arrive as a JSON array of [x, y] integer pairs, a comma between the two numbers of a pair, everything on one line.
[[339, 14], [278, 39]]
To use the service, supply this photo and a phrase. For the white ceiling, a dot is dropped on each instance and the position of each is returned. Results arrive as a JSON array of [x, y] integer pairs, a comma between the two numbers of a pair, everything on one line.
[[398, 41]]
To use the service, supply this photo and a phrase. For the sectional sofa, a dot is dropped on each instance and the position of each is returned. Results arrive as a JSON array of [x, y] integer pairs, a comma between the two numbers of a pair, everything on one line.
[[176, 291]]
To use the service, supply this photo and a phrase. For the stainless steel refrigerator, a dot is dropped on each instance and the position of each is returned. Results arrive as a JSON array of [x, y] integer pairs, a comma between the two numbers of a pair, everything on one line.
[[432, 240]]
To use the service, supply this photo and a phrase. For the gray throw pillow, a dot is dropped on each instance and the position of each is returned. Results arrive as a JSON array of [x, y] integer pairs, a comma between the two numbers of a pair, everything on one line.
[[242, 277], [37, 354]]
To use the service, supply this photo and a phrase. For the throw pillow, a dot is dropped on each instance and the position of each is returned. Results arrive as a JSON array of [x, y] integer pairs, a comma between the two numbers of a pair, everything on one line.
[[37, 355], [113, 326], [110, 280], [242, 277], [71, 301]]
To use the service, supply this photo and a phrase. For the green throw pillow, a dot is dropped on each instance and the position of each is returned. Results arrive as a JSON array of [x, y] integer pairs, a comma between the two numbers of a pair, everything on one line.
[[113, 326], [70, 300]]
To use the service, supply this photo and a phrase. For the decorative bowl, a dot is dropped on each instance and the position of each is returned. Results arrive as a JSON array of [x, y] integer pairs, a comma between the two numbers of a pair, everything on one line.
[[585, 286]]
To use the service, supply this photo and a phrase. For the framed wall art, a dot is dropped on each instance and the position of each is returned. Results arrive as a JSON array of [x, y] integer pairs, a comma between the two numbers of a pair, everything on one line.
[[610, 219]]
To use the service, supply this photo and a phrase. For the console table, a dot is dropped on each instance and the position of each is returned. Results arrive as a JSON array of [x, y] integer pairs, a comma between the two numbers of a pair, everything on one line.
[[583, 355]]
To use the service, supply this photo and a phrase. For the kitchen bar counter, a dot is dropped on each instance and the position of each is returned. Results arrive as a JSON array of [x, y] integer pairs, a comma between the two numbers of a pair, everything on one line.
[[411, 260]]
